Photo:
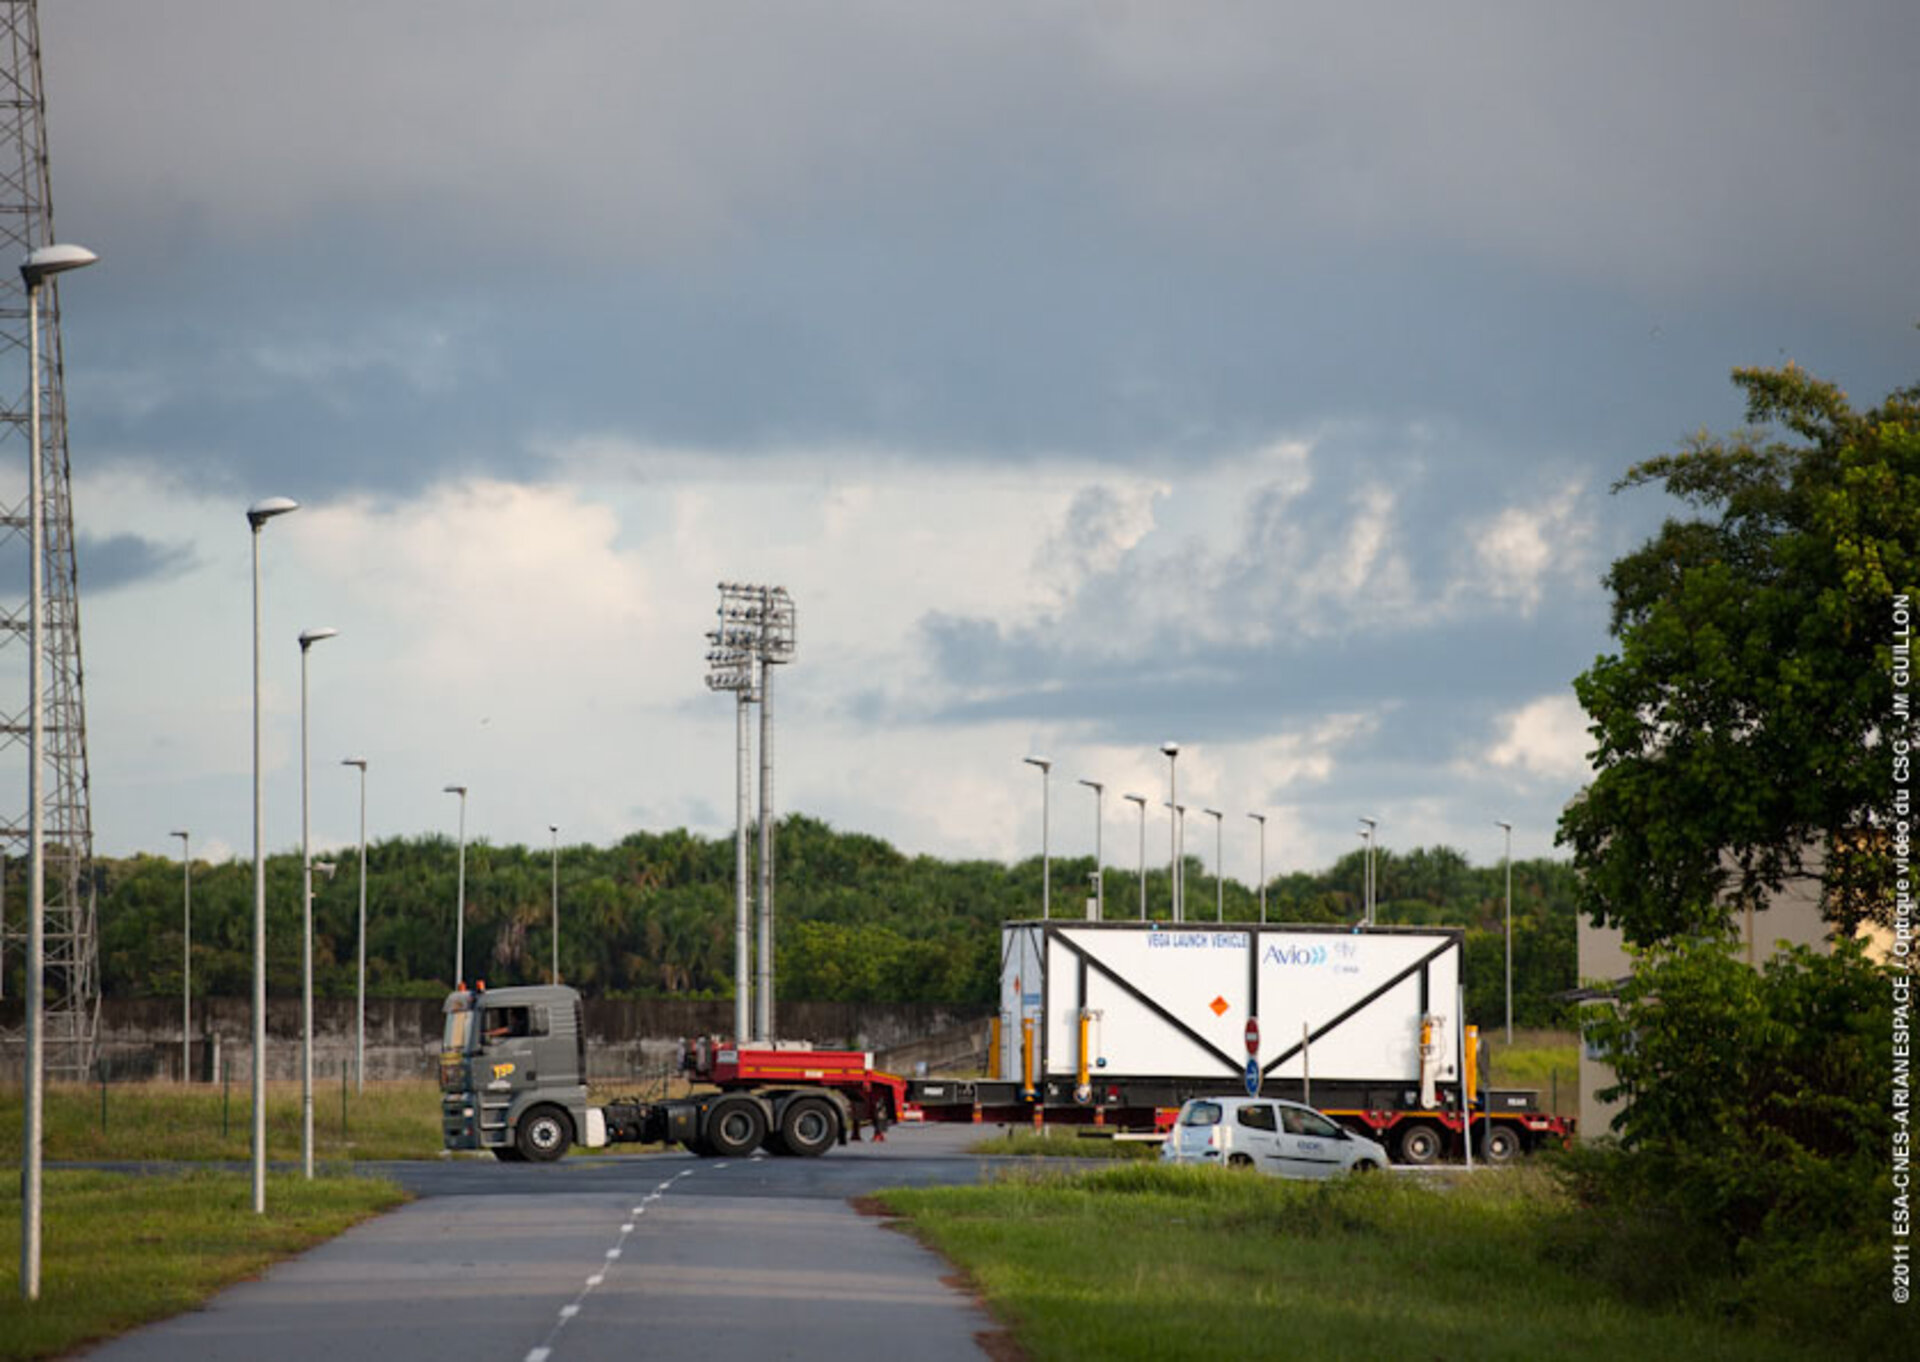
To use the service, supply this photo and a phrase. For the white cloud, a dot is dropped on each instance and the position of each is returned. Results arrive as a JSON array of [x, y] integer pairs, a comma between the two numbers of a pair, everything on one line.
[[1547, 737], [1517, 550]]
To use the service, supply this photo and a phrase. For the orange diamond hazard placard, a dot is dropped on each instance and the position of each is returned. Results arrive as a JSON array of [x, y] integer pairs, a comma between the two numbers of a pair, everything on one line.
[[1219, 1006]]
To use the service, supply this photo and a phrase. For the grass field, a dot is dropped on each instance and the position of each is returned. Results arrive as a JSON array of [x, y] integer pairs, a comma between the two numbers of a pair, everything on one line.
[[1143, 1261], [1546, 1060], [171, 1121], [119, 1250]]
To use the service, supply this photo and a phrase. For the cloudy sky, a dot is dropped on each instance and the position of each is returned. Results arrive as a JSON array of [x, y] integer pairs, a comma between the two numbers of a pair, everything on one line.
[[1092, 375]]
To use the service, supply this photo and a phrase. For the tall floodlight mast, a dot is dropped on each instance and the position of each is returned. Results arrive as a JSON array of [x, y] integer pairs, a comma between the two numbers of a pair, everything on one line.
[[755, 634], [70, 1002]]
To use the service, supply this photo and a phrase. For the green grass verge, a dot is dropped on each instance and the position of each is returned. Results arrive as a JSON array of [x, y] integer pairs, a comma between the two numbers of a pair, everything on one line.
[[1065, 1142], [1150, 1261], [171, 1121], [120, 1249]]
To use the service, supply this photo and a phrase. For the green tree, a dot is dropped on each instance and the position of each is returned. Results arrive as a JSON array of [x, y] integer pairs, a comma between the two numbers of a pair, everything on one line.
[[1755, 1126], [1743, 729]]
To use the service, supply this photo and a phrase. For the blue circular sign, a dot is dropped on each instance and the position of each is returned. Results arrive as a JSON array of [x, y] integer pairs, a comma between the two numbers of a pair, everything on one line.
[[1253, 1078]]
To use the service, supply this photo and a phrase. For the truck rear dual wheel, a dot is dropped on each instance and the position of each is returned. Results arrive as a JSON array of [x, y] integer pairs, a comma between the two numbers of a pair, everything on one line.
[[1419, 1144], [1500, 1145], [544, 1134], [735, 1126], [808, 1128]]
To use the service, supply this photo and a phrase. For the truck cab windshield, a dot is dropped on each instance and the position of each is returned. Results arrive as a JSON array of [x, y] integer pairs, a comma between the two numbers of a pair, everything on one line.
[[459, 1027]]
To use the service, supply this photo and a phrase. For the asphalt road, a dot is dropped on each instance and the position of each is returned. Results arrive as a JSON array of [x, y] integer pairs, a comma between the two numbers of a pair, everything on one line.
[[627, 1257]]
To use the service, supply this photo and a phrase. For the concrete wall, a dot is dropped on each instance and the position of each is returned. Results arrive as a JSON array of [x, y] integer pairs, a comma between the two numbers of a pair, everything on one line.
[[140, 1037]]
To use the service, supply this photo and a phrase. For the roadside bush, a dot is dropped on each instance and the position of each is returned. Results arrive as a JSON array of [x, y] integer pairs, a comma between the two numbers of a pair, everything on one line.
[[1748, 1168]]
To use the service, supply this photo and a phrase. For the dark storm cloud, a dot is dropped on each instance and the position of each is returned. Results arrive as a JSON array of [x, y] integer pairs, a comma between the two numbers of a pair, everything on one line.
[[1099, 230], [123, 559]]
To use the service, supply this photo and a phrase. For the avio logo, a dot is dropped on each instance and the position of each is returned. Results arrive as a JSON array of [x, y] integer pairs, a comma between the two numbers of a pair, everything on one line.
[[1304, 956]]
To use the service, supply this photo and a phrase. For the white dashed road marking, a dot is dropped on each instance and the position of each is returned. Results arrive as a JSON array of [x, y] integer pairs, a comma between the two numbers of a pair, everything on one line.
[[544, 1353]]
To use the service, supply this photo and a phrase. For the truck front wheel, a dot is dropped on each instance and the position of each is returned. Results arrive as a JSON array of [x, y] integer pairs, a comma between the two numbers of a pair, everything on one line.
[[544, 1135], [736, 1126]]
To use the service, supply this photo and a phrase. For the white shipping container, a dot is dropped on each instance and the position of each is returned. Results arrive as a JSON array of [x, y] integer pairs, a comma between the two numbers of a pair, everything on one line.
[[1167, 1001]]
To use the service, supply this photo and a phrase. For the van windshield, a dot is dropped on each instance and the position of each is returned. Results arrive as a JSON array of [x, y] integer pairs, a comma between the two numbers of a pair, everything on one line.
[[1201, 1114]]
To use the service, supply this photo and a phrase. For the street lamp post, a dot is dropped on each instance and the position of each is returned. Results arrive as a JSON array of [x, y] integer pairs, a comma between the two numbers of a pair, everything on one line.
[[34, 271], [1367, 891], [1508, 829], [360, 952], [1179, 815], [1172, 749], [553, 829], [186, 960], [1099, 858], [1219, 878], [308, 637], [1261, 819], [460, 894], [258, 515], [1046, 855], [1141, 800]]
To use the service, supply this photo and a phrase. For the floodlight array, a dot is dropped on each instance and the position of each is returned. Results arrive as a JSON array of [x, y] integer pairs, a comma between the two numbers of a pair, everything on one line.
[[757, 626]]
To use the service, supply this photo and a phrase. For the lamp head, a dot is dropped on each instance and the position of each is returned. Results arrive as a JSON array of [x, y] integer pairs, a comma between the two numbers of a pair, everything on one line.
[[360, 762], [53, 260], [1042, 762], [309, 637], [1172, 749], [1093, 785], [178, 833], [460, 790], [261, 512]]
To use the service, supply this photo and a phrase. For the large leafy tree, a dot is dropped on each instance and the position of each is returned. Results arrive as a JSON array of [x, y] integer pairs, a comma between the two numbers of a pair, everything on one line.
[[1743, 729]]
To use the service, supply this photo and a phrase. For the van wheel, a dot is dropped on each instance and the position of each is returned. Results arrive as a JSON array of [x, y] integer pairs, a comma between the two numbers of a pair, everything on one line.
[[736, 1126], [1419, 1145], [545, 1134], [1239, 1161], [809, 1127]]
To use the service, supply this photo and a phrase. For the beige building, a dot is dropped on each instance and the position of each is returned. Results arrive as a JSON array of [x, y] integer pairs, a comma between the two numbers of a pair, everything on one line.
[[1793, 919]]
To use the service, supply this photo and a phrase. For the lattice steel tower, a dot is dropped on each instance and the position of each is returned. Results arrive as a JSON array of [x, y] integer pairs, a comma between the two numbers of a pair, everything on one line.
[[26, 222]]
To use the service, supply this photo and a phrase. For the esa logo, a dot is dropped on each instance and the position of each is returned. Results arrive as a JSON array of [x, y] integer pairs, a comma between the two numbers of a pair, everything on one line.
[[1306, 956]]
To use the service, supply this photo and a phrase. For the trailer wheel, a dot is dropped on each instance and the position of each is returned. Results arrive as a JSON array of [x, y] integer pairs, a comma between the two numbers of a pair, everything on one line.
[[1500, 1145], [809, 1127], [1419, 1144], [545, 1134], [735, 1126]]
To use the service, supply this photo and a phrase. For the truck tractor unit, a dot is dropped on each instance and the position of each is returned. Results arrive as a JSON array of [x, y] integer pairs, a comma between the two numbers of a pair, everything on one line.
[[513, 1080], [1118, 1023]]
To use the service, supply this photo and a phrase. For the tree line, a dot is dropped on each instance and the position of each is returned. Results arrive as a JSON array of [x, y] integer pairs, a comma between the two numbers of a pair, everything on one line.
[[857, 919]]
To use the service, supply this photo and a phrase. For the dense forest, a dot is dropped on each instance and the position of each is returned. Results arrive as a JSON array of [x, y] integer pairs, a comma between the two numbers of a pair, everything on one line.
[[858, 921]]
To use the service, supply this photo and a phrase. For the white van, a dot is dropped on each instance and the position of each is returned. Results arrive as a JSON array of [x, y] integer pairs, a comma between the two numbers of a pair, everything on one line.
[[1283, 1138]]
